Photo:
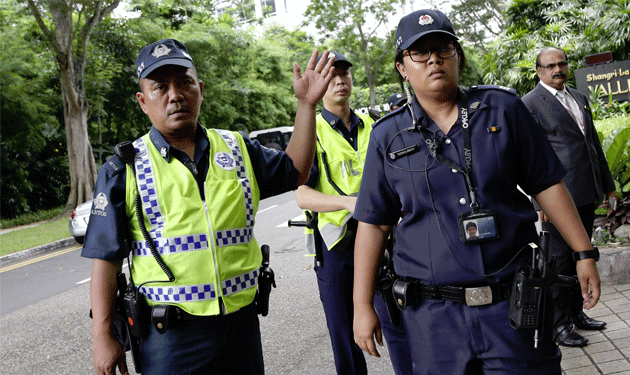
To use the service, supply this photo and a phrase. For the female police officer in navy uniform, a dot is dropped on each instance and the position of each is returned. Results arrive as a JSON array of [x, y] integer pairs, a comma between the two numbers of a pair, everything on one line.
[[449, 157]]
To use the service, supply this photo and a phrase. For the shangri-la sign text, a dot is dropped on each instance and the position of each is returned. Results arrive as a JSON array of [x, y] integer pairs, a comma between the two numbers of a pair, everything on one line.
[[612, 78]]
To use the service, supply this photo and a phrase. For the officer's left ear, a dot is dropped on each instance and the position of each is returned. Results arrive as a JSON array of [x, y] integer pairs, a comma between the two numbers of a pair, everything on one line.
[[201, 89]]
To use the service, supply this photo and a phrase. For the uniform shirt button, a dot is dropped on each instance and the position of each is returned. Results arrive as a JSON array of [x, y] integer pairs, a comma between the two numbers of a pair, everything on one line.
[[462, 201], [454, 170], [447, 141]]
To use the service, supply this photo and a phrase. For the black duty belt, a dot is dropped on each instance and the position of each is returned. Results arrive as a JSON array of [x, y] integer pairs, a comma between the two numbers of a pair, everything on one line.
[[411, 292], [164, 317]]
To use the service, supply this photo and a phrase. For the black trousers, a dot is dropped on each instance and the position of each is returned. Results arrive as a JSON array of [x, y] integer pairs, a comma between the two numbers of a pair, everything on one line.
[[567, 300]]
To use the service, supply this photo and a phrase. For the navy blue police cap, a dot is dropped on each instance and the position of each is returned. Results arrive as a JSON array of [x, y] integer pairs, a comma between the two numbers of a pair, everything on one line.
[[160, 53], [420, 23], [340, 60], [397, 100]]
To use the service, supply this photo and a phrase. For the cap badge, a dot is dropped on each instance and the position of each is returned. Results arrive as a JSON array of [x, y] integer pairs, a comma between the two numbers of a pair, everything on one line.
[[425, 20], [162, 50]]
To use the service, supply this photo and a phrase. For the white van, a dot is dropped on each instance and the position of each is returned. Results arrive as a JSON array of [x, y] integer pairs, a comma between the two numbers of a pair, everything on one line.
[[276, 138]]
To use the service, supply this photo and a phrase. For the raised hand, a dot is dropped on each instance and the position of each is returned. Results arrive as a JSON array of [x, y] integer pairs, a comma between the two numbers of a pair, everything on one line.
[[311, 86]]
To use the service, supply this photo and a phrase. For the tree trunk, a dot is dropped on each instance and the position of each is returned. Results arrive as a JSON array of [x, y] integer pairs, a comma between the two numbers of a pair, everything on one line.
[[80, 157], [70, 64]]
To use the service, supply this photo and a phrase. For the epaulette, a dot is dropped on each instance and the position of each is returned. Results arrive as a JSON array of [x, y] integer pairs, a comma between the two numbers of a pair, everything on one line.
[[387, 116], [493, 87], [114, 165]]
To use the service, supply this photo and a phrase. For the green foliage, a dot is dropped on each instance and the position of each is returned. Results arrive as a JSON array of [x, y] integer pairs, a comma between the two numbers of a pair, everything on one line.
[[173, 14], [606, 126], [604, 109], [616, 146], [475, 21], [361, 96], [247, 81], [25, 238], [31, 217], [34, 162], [580, 27]]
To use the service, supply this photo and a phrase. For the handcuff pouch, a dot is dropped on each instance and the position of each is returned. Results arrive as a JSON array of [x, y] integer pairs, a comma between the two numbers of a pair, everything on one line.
[[403, 291]]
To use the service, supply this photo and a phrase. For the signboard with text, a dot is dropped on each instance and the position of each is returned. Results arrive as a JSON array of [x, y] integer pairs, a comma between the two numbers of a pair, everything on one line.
[[608, 78]]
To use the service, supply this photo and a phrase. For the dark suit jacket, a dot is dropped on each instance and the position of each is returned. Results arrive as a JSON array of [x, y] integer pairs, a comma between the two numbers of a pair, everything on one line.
[[588, 176]]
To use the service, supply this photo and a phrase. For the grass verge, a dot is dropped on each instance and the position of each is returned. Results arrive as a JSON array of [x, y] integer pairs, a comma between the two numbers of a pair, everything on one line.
[[41, 234]]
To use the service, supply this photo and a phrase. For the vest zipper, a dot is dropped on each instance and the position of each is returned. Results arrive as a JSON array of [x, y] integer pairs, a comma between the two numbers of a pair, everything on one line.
[[214, 253]]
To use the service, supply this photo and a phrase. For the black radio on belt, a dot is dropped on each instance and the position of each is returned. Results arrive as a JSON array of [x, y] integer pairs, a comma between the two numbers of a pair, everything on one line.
[[136, 312], [530, 293], [526, 300]]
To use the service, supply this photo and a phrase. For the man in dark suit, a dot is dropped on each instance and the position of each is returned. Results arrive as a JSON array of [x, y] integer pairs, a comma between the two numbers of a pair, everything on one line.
[[566, 118]]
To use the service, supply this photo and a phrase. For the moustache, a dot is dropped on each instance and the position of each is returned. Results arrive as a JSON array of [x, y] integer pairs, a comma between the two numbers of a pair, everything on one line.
[[559, 75]]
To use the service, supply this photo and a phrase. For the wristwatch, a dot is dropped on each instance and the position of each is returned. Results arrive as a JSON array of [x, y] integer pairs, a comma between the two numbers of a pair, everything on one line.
[[588, 254]]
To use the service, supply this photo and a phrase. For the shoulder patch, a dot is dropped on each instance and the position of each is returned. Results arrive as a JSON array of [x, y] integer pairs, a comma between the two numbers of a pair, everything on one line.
[[493, 87], [388, 115], [114, 165]]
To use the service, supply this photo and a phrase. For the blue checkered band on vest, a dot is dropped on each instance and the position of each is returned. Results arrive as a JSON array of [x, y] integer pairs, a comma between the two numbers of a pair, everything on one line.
[[147, 189], [172, 245], [238, 235], [180, 294], [239, 283]]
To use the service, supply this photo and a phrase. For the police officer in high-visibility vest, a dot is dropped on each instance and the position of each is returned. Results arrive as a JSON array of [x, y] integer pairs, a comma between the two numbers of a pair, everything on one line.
[[331, 190], [199, 190]]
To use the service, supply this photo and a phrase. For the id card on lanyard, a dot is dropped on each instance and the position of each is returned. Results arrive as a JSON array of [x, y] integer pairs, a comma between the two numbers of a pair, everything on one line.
[[478, 224]]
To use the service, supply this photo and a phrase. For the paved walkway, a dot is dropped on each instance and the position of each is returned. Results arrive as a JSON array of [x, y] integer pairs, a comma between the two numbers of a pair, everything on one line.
[[608, 350]]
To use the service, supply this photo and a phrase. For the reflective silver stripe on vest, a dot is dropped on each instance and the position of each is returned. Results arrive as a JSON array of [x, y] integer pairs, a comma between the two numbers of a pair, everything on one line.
[[172, 245], [182, 293], [147, 189], [239, 283], [238, 235]]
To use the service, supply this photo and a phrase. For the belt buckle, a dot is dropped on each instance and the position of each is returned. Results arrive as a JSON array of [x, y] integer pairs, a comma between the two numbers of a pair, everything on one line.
[[478, 296]]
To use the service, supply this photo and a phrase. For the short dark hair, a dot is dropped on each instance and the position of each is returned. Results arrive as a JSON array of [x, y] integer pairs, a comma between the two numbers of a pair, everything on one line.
[[471, 224], [547, 49]]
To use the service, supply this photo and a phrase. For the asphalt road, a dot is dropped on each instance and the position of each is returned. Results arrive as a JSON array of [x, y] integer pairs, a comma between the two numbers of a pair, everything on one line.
[[44, 304]]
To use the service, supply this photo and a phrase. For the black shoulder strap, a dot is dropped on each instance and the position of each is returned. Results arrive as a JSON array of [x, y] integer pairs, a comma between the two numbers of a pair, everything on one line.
[[327, 170], [127, 153]]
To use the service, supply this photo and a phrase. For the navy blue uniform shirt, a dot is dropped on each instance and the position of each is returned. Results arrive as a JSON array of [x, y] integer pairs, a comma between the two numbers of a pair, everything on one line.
[[430, 196], [349, 135], [107, 231]]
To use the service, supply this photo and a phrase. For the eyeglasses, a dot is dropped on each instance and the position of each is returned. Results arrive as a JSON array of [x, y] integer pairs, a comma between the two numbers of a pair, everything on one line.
[[423, 54], [561, 64]]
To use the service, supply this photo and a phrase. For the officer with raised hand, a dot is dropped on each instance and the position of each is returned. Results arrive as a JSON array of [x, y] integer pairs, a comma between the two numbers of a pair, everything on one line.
[[330, 192], [453, 156], [199, 190]]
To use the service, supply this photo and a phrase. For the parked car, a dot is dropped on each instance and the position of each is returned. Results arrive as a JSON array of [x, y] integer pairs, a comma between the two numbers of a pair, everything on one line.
[[276, 138], [79, 221]]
